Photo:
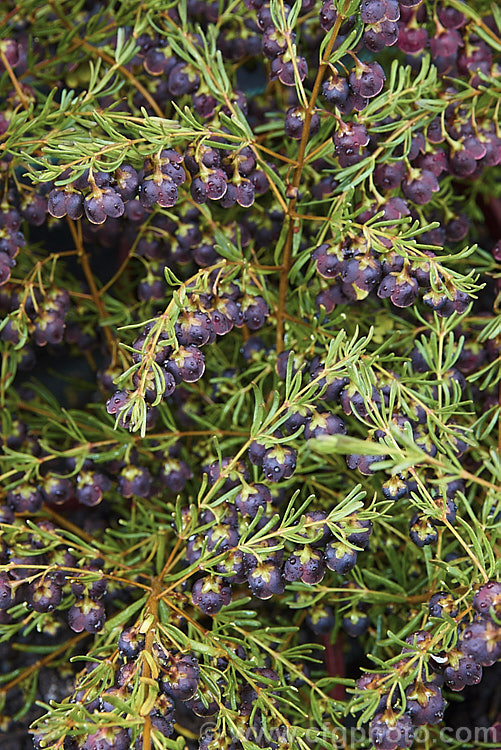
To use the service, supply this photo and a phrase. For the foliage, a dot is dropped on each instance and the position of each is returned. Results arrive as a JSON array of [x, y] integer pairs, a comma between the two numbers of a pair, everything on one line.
[[250, 371]]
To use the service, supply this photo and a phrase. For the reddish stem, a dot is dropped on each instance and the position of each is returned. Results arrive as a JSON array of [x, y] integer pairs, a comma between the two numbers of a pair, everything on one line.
[[334, 664]]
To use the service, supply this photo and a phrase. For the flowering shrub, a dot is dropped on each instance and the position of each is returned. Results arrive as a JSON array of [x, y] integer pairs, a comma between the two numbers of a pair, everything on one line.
[[250, 341]]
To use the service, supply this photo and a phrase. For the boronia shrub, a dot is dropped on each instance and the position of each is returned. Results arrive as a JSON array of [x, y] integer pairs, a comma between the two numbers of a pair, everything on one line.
[[250, 385]]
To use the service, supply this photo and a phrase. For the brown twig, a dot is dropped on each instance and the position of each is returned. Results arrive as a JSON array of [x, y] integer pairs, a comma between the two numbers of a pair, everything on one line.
[[110, 60], [296, 180], [76, 233], [42, 663], [151, 609], [13, 78]]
